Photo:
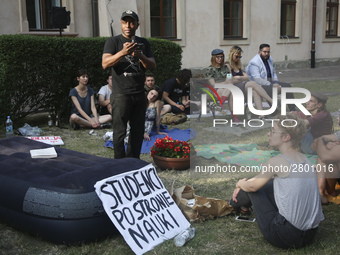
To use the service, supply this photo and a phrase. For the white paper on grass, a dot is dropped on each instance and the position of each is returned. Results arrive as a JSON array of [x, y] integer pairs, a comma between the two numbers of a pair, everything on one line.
[[51, 140], [141, 208], [44, 153]]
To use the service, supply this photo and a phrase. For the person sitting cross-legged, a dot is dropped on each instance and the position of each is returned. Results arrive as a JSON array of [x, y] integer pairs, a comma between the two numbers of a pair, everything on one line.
[[286, 202], [175, 92], [84, 112], [104, 97]]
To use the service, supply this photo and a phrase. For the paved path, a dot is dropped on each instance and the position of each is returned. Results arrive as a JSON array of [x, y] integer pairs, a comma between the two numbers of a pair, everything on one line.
[[309, 74]]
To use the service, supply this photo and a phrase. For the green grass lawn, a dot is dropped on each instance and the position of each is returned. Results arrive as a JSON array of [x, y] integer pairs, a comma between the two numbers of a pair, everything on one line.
[[219, 236]]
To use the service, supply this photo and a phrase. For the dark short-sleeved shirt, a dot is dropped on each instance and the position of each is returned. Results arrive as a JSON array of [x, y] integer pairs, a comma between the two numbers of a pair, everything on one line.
[[174, 89], [128, 75], [320, 124], [147, 89], [85, 102]]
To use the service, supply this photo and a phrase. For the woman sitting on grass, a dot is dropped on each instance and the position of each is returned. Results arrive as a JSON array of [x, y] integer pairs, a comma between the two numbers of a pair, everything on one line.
[[84, 112], [155, 109], [285, 198]]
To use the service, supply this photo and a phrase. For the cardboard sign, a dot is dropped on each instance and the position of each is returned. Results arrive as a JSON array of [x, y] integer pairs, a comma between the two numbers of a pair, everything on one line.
[[51, 140], [141, 208]]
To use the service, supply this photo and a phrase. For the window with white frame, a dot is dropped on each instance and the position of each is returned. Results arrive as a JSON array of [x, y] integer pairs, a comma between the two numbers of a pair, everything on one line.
[[163, 19], [332, 18], [38, 13]]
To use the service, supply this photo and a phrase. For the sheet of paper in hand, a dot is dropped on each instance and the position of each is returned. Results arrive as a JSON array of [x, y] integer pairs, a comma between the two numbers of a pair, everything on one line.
[[141, 208]]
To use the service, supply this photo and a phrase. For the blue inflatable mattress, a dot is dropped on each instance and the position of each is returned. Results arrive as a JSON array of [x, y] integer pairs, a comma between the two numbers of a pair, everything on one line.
[[55, 198]]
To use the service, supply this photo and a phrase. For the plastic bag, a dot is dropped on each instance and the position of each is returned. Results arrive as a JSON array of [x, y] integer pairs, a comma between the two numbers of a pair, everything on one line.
[[27, 130], [198, 209]]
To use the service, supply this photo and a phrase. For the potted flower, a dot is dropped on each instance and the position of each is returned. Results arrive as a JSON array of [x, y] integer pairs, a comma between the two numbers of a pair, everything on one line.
[[171, 154]]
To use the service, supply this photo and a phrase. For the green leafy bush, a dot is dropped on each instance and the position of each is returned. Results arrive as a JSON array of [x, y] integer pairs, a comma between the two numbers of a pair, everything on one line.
[[168, 56], [37, 73]]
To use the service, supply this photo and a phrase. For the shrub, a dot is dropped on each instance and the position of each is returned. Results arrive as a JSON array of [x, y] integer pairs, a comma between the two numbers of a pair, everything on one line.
[[37, 73], [168, 57]]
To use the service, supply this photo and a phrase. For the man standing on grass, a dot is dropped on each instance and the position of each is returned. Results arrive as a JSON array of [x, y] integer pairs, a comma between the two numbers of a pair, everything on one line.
[[128, 56]]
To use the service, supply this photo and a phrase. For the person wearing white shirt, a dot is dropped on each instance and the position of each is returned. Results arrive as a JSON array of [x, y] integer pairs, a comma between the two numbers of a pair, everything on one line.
[[104, 97]]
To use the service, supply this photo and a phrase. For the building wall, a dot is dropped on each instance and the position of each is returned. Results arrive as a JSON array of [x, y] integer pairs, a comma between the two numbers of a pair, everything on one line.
[[114, 10], [199, 27], [9, 17], [204, 33], [83, 18]]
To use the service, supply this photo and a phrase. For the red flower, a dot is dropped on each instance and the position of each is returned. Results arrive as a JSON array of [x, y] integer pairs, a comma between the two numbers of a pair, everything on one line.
[[167, 147]]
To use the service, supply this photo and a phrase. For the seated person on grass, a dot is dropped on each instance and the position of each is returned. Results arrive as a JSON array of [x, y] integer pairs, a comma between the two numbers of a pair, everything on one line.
[[218, 72], [261, 70], [328, 164], [175, 90], [286, 203], [319, 123], [104, 97], [150, 82], [84, 112], [155, 109]]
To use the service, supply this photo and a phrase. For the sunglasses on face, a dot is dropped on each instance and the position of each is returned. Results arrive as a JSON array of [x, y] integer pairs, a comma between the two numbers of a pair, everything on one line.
[[238, 56], [271, 131]]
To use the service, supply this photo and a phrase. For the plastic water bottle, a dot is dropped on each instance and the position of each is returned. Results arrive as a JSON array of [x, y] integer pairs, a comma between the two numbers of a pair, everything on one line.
[[57, 121], [184, 237], [50, 122], [9, 127]]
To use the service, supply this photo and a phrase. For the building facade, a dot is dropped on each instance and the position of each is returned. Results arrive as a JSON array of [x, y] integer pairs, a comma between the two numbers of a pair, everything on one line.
[[297, 30]]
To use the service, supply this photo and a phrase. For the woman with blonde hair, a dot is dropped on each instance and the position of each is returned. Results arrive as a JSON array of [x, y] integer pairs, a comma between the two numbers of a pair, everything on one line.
[[241, 77], [285, 194]]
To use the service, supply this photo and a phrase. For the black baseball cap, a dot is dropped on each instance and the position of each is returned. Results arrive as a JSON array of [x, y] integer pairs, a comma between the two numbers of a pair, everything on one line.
[[130, 14]]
